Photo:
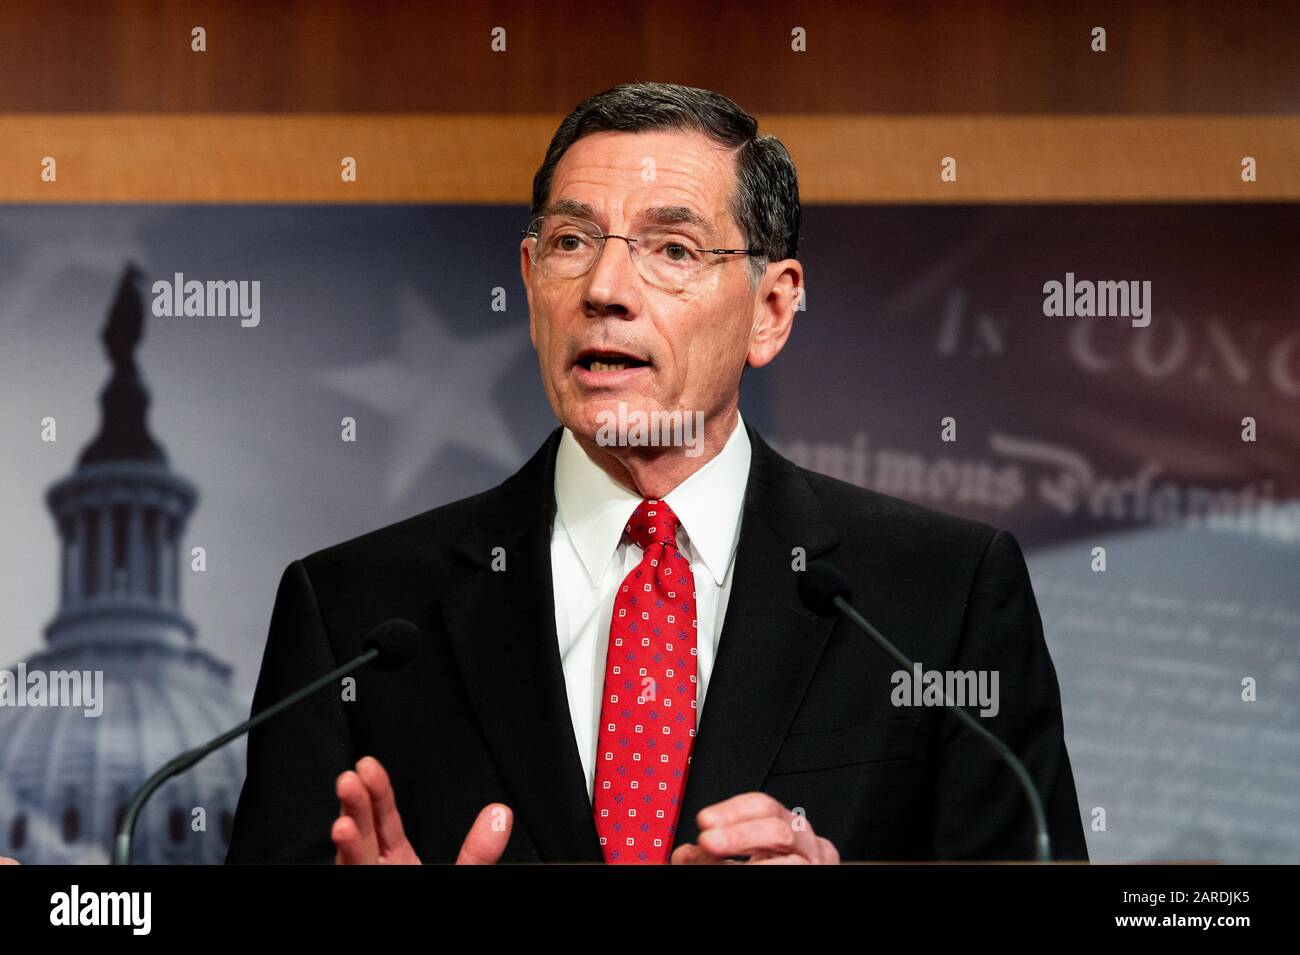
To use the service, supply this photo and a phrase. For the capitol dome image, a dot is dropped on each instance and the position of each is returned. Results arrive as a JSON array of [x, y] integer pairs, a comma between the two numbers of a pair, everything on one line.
[[67, 773]]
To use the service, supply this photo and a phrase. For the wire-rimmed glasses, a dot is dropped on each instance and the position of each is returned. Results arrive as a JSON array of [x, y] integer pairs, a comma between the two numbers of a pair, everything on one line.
[[566, 247]]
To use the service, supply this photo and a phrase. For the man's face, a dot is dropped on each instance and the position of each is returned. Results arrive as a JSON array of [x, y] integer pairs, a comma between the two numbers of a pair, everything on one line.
[[680, 350]]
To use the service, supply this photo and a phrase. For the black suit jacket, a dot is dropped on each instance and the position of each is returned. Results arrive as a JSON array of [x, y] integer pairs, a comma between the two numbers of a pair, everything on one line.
[[798, 707]]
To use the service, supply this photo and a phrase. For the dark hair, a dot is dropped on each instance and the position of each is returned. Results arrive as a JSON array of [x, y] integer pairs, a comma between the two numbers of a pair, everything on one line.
[[765, 203]]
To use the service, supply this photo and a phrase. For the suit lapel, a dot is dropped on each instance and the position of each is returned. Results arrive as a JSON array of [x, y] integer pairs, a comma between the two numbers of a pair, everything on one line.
[[501, 625], [769, 646]]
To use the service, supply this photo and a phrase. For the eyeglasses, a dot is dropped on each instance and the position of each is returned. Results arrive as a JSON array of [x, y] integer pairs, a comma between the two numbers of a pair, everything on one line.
[[565, 247]]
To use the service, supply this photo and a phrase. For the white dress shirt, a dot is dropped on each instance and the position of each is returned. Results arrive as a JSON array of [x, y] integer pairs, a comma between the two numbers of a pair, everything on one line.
[[590, 558]]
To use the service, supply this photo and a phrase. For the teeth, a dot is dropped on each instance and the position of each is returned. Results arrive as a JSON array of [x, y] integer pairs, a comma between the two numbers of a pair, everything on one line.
[[608, 366]]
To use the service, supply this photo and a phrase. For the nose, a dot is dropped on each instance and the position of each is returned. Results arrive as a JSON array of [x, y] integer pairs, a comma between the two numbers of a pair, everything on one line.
[[613, 285]]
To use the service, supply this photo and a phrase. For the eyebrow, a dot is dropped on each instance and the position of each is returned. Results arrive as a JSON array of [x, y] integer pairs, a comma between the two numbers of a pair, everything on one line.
[[656, 215]]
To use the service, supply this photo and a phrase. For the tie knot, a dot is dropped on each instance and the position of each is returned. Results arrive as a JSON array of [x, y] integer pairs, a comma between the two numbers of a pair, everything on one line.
[[653, 522]]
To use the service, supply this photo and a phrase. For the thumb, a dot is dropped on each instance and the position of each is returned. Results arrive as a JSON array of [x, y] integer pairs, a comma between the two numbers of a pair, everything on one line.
[[488, 836]]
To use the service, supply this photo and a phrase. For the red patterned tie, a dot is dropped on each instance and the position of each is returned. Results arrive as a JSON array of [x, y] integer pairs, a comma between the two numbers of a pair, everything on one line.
[[647, 715]]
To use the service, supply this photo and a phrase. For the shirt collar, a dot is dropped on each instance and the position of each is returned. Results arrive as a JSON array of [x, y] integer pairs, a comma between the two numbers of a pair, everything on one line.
[[595, 508]]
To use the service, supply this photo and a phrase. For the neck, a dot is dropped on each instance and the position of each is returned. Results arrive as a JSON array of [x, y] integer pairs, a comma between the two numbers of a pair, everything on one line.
[[653, 472]]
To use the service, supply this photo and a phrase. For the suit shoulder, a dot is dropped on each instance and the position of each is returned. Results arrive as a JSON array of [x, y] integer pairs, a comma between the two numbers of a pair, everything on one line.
[[417, 541], [424, 552]]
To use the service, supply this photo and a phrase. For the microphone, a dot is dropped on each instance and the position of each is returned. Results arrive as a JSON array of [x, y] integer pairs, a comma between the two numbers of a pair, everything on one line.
[[826, 592], [390, 645]]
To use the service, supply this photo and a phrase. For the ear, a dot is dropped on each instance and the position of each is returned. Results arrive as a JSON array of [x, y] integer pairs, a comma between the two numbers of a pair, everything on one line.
[[777, 298], [526, 273]]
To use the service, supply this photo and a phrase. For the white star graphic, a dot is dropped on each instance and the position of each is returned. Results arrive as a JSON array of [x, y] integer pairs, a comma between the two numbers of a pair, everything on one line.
[[436, 390]]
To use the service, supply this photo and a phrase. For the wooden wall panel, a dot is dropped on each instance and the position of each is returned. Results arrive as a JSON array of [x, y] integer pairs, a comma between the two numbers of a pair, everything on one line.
[[866, 56], [492, 158]]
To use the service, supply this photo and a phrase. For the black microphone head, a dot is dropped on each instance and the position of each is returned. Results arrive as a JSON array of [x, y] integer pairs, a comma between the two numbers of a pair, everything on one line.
[[820, 584], [397, 642]]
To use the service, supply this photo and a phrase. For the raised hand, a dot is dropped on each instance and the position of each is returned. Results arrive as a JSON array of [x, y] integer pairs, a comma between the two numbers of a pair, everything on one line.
[[369, 829]]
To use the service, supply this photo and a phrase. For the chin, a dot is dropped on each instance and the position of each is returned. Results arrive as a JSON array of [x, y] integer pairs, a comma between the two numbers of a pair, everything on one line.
[[585, 418], [589, 416]]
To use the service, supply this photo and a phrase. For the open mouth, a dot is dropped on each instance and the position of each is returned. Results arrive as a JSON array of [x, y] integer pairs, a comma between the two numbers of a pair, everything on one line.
[[609, 361]]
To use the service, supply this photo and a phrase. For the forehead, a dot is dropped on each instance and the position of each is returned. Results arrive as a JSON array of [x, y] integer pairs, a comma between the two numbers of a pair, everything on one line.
[[620, 176]]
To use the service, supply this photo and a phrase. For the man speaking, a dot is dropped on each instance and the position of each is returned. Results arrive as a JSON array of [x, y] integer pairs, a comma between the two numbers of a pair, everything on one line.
[[578, 618]]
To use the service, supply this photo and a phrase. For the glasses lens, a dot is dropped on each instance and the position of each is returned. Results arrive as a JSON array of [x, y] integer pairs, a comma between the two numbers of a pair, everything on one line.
[[668, 259], [564, 247]]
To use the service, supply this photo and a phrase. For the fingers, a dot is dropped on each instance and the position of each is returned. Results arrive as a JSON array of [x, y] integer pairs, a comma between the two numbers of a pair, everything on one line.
[[354, 801], [488, 836], [349, 848], [738, 809], [829, 854], [5, 860], [771, 834], [825, 853], [387, 822], [353, 831], [754, 824], [690, 854]]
